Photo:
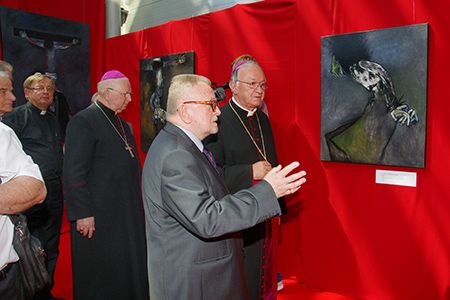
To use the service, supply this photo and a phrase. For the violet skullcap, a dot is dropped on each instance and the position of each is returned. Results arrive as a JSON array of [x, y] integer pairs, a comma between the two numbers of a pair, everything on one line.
[[113, 74]]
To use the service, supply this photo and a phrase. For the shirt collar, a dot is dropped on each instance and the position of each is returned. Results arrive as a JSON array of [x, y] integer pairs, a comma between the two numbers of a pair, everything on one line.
[[37, 109], [106, 109], [193, 138], [249, 112]]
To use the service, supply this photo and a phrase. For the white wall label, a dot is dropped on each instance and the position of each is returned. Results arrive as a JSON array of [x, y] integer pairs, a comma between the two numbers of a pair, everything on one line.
[[396, 177]]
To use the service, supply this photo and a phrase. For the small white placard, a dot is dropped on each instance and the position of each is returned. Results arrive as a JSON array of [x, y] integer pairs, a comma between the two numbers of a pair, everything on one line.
[[396, 178]]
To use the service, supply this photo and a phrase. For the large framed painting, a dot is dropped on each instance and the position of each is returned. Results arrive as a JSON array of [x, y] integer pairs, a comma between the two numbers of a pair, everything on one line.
[[36, 43], [374, 96], [156, 74]]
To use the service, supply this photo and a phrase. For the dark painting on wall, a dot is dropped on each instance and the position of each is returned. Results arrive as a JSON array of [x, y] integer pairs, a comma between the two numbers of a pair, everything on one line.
[[36, 43], [156, 74], [374, 96]]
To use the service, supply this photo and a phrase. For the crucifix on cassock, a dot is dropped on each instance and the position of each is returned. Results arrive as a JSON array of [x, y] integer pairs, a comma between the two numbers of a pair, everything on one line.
[[117, 107], [129, 149]]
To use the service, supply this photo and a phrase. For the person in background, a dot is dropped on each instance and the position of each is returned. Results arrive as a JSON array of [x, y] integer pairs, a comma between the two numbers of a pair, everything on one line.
[[38, 130], [21, 187], [102, 177], [244, 147], [192, 221], [6, 67], [60, 107]]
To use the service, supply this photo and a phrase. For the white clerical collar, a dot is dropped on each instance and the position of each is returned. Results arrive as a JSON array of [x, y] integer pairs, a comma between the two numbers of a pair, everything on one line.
[[249, 112], [193, 138]]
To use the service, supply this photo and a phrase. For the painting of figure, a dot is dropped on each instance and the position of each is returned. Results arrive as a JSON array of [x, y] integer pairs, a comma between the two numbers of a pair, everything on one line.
[[373, 101], [36, 43], [156, 74]]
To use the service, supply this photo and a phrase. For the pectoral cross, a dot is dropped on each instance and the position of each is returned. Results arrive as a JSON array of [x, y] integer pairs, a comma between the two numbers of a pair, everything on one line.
[[129, 149]]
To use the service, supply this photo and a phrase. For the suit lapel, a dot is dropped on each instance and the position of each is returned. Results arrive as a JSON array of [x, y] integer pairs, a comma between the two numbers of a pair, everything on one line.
[[191, 147]]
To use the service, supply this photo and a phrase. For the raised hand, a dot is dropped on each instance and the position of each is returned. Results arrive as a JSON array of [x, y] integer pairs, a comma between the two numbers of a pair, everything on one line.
[[283, 183]]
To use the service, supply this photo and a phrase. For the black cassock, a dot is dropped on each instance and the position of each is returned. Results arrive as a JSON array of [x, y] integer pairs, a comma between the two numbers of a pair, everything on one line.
[[102, 180], [235, 152]]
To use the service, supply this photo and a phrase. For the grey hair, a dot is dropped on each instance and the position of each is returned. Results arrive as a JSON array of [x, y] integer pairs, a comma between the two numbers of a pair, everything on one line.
[[102, 85], [235, 70], [4, 74], [179, 88], [6, 66]]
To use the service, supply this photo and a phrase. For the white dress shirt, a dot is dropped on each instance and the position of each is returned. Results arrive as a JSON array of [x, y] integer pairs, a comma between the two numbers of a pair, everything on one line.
[[193, 138], [13, 162]]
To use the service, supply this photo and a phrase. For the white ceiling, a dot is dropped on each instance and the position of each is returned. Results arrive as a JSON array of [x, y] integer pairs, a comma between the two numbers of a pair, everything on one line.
[[149, 13]]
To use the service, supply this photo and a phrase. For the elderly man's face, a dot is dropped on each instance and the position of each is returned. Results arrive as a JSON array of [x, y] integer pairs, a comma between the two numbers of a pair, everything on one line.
[[204, 118], [40, 93], [249, 88], [6, 96], [119, 94]]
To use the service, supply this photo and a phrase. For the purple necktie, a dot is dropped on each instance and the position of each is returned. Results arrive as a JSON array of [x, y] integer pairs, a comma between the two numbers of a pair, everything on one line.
[[211, 159]]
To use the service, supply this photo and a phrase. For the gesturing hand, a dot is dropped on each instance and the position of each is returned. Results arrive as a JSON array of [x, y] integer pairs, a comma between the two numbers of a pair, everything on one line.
[[283, 183]]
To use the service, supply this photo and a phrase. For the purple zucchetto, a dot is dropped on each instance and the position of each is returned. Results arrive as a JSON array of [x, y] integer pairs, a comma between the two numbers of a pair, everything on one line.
[[113, 74]]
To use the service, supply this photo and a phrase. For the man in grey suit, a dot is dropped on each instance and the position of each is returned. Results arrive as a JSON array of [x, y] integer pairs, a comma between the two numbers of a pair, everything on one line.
[[192, 222]]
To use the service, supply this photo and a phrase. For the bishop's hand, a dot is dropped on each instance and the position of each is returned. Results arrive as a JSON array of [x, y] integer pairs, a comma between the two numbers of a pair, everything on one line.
[[86, 226], [260, 169]]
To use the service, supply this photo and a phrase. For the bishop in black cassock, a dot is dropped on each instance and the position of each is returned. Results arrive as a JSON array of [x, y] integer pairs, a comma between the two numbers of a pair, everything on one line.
[[245, 138], [104, 205]]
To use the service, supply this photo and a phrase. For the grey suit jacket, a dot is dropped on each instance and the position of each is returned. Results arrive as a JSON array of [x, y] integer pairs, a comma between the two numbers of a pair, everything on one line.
[[192, 222]]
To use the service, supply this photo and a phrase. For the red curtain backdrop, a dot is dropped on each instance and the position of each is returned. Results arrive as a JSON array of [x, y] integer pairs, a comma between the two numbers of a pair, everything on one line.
[[343, 233], [91, 12]]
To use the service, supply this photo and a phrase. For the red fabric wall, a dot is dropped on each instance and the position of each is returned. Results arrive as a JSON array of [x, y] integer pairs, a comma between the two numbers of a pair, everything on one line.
[[91, 12], [344, 232]]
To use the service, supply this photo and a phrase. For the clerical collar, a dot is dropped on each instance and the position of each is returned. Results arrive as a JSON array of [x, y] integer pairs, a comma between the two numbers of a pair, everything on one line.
[[192, 137], [111, 113], [249, 112], [37, 109]]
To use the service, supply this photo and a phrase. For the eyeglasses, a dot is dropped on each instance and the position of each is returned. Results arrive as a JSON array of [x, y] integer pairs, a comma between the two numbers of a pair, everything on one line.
[[129, 94], [213, 103], [41, 88], [254, 85]]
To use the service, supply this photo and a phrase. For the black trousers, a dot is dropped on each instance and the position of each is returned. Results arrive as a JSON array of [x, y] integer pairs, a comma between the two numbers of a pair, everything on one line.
[[44, 222], [11, 286]]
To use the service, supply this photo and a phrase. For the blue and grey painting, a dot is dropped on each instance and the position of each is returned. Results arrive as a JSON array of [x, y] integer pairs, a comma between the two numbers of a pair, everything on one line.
[[374, 96]]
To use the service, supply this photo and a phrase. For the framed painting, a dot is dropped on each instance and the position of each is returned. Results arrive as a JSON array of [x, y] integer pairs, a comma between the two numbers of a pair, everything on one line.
[[156, 74], [374, 96], [36, 43]]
